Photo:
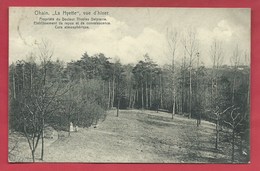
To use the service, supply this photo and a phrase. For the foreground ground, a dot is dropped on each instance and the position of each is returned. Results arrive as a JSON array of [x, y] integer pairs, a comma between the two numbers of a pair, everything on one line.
[[135, 136]]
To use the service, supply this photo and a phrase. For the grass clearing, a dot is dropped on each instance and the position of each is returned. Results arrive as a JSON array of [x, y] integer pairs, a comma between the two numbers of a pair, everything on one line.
[[137, 137]]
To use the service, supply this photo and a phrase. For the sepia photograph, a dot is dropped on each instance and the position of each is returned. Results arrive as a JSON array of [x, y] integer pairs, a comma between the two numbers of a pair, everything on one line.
[[129, 85]]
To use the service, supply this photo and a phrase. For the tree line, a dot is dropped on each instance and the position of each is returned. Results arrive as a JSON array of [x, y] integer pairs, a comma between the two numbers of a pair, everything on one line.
[[56, 93]]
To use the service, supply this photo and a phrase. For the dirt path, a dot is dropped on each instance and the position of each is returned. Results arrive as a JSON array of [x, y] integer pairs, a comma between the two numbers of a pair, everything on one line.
[[139, 137]]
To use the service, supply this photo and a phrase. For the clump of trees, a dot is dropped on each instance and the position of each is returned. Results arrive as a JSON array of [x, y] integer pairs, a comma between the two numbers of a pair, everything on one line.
[[44, 93]]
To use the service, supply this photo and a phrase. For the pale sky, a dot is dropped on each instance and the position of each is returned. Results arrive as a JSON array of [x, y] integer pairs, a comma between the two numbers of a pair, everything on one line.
[[133, 32]]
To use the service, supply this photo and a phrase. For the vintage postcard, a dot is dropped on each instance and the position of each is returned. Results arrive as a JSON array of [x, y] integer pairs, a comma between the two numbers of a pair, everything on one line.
[[129, 85]]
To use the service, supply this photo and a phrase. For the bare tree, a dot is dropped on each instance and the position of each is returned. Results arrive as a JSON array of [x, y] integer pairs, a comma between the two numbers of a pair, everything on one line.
[[247, 63], [190, 44], [235, 62], [172, 37], [46, 53], [39, 99], [218, 114], [235, 119], [216, 53]]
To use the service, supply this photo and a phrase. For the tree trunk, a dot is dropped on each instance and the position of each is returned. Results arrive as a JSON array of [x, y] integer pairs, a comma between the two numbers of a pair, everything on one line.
[[142, 97], [161, 92], [173, 104], [137, 97], [109, 96], [31, 76], [233, 90], [69, 123], [42, 136], [42, 152], [212, 91], [133, 103], [150, 95], [248, 95], [130, 98], [217, 135], [241, 145], [178, 104], [190, 96], [33, 155], [173, 85], [23, 78], [146, 95], [216, 87], [184, 107], [233, 145], [113, 92], [118, 104], [31, 146], [103, 88], [14, 86]]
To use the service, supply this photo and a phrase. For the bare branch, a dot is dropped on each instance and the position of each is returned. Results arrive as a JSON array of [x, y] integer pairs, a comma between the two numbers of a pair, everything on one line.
[[231, 113], [232, 126], [227, 109]]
